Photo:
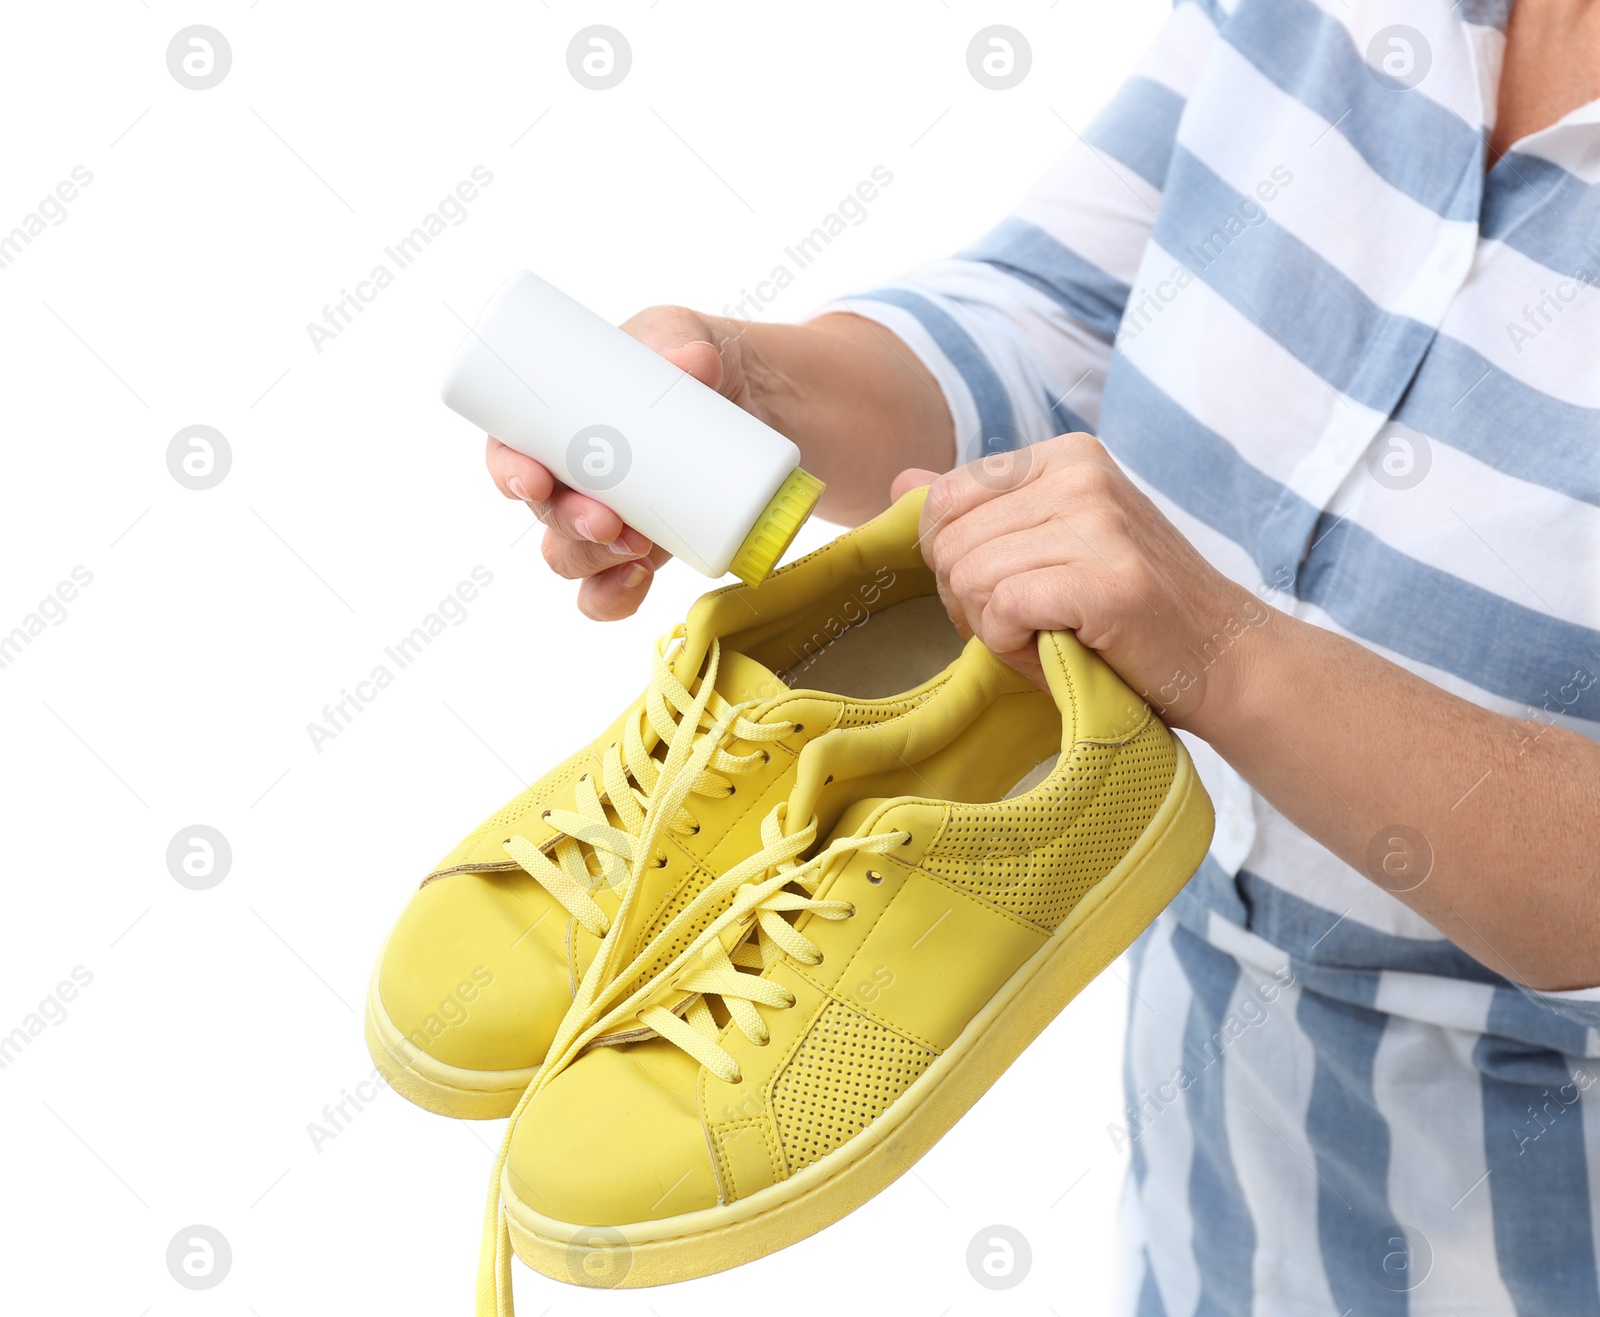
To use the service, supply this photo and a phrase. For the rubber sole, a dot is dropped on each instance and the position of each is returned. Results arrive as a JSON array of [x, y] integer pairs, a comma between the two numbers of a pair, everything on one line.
[[442, 1089], [1100, 928]]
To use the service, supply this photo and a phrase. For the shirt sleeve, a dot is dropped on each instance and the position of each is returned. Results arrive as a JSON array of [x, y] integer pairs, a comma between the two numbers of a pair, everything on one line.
[[1018, 329]]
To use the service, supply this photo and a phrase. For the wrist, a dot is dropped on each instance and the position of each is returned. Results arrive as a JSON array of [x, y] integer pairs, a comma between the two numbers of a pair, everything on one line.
[[1233, 661]]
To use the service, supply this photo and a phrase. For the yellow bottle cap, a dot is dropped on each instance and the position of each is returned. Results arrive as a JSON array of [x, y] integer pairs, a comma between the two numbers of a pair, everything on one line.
[[776, 527]]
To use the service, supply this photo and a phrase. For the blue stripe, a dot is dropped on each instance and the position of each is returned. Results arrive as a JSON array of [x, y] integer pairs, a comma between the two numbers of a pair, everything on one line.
[[1066, 420], [1309, 933], [1138, 127], [1350, 1141], [1150, 1304], [1373, 591], [1547, 214], [1486, 13], [999, 431], [1085, 292], [1336, 956], [1460, 399], [1211, 8], [1538, 1179], [1531, 1017], [1224, 1235], [1293, 294], [1369, 588], [1311, 57]]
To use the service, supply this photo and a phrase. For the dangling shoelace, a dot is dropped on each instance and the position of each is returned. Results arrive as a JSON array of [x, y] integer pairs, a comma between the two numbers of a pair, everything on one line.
[[757, 892], [630, 777], [693, 764]]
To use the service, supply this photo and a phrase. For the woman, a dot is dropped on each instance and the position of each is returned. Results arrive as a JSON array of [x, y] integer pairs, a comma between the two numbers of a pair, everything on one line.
[[1323, 284]]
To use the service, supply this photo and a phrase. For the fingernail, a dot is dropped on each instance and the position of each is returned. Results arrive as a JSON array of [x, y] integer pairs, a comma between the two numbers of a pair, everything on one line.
[[516, 486], [634, 577], [619, 546], [582, 527]]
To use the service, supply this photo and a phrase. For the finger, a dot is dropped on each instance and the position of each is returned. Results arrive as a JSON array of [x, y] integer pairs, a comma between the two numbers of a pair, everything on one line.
[[577, 560], [975, 578], [517, 476], [685, 338], [618, 592], [913, 477], [698, 358], [1020, 606], [959, 491], [579, 517], [981, 530]]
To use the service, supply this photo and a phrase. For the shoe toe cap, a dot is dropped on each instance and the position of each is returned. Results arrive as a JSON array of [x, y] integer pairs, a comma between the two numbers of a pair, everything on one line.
[[475, 972], [615, 1139]]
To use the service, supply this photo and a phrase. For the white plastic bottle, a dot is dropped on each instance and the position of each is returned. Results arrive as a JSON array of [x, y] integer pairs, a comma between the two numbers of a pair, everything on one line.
[[674, 459]]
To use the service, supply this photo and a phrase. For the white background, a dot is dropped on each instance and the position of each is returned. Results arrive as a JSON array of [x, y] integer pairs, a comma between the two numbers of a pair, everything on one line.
[[178, 689]]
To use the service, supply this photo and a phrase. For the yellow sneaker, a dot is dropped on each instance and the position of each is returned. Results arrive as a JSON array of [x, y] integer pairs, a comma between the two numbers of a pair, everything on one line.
[[833, 1010], [483, 963]]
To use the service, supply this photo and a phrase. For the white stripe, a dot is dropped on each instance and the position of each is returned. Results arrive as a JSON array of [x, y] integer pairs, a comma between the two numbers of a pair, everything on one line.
[[1442, 1003], [1128, 1264], [1180, 52], [1422, 259], [1559, 313], [1290, 860], [1570, 143], [1290, 423], [1095, 207], [1426, 1087], [1481, 525], [1589, 1110], [1158, 1014], [1267, 1073]]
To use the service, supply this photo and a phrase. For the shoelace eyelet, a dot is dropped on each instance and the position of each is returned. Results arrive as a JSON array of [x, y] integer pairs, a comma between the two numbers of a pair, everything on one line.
[[695, 831], [799, 727], [907, 841], [660, 862], [545, 816], [873, 876], [766, 756]]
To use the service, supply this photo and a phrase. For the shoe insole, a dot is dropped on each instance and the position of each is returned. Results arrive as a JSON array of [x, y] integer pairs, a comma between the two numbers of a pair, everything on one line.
[[890, 651], [1036, 775]]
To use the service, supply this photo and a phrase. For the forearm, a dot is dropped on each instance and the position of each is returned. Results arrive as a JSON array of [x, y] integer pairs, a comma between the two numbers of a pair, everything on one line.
[[854, 398], [1487, 826]]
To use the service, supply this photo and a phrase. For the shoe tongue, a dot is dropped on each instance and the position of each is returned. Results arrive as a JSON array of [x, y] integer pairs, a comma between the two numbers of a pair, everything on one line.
[[740, 678], [855, 816]]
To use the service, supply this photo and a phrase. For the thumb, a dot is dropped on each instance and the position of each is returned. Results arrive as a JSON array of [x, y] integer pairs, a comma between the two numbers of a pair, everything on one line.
[[910, 479], [698, 358]]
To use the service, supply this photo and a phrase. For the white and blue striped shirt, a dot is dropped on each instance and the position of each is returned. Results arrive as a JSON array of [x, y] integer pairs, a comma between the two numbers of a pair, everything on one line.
[[1362, 374]]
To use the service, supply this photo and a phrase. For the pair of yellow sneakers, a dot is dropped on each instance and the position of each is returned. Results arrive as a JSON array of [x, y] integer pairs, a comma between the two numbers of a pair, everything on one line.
[[738, 963]]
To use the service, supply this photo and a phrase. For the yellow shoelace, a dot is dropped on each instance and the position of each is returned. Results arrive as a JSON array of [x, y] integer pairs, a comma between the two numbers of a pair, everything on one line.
[[629, 778], [711, 970], [756, 893], [693, 763]]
